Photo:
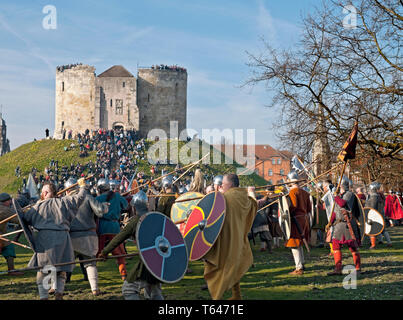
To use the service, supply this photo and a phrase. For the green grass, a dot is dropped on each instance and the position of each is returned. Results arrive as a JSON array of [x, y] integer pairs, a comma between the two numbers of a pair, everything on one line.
[[36, 154], [268, 279]]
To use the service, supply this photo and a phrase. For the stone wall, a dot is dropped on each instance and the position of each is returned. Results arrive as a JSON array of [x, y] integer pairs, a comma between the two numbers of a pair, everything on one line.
[[111, 91], [161, 97], [75, 99]]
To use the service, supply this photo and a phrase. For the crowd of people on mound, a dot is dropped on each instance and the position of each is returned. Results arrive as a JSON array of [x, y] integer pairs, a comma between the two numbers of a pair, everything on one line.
[[165, 67]]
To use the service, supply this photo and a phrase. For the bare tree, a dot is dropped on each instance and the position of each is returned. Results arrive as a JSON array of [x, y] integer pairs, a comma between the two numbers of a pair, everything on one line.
[[338, 73]]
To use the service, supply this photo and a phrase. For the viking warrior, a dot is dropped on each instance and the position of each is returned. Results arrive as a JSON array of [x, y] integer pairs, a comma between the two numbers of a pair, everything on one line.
[[217, 183], [376, 202], [7, 250], [197, 184], [352, 205], [165, 203], [300, 207], [108, 224], [52, 218], [261, 224], [83, 234], [139, 277], [319, 218], [231, 256], [344, 232]]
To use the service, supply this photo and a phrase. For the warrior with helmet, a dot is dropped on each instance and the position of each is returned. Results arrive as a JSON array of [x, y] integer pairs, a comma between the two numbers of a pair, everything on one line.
[[139, 277], [375, 200], [109, 224], [52, 218], [165, 203], [345, 230], [300, 207], [83, 234]]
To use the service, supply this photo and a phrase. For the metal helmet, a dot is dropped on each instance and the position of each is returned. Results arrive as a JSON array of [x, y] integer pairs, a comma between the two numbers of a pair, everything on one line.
[[292, 176], [374, 186], [113, 184], [70, 182], [182, 189], [345, 183], [140, 202], [218, 180], [103, 185], [167, 182]]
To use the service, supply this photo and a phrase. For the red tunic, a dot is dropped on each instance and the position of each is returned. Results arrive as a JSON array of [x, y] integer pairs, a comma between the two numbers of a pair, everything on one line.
[[393, 208]]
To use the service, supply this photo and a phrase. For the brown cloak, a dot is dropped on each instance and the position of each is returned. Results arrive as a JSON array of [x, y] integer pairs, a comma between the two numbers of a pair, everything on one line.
[[231, 256]]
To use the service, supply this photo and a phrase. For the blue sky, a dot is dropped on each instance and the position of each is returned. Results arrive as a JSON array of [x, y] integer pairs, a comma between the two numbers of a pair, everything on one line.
[[209, 38]]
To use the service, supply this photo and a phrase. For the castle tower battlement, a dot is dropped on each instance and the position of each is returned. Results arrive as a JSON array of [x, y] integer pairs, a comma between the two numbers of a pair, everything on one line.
[[116, 98]]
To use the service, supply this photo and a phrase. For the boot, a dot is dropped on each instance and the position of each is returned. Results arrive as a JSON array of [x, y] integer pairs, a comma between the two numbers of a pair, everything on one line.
[[10, 266], [68, 277], [337, 262], [357, 260], [236, 292], [269, 247], [373, 243]]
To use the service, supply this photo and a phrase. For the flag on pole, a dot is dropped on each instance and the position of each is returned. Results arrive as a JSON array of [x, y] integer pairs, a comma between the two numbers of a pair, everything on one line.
[[348, 150], [125, 183]]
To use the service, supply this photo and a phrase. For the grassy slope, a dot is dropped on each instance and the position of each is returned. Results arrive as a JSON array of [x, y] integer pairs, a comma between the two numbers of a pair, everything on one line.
[[268, 279], [35, 154], [39, 153]]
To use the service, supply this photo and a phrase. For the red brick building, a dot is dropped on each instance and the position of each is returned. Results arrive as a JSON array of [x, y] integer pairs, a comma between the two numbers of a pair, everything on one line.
[[271, 164]]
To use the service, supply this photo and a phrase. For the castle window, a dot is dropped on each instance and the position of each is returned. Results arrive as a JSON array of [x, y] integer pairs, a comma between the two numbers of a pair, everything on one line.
[[148, 98], [111, 102], [119, 106], [124, 84], [63, 86]]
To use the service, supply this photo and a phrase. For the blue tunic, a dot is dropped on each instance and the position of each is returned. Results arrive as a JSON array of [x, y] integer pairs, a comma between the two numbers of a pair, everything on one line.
[[109, 223]]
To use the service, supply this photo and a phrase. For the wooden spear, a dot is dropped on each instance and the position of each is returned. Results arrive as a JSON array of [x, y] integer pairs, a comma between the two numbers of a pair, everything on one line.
[[72, 262]]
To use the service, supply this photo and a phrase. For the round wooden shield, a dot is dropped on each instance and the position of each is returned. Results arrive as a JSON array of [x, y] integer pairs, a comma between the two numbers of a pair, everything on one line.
[[284, 217], [161, 247], [204, 225], [26, 229], [361, 219], [374, 222], [181, 210]]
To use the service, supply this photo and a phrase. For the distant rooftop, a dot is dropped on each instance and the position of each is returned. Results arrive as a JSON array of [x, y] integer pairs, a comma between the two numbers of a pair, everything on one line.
[[116, 71]]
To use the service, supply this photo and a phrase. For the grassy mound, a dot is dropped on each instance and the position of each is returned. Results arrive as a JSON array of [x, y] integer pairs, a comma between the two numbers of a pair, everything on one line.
[[39, 153]]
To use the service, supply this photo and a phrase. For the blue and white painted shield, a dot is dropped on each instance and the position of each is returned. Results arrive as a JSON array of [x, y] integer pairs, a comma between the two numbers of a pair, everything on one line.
[[161, 247]]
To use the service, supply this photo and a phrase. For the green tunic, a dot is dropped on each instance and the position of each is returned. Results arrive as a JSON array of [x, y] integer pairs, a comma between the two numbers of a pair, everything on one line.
[[139, 272]]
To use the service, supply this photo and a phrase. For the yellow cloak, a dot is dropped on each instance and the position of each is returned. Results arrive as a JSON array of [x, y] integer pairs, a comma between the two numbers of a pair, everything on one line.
[[231, 256]]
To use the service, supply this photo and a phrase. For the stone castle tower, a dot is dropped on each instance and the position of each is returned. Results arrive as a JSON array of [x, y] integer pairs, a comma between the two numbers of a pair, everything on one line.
[[117, 99], [4, 142]]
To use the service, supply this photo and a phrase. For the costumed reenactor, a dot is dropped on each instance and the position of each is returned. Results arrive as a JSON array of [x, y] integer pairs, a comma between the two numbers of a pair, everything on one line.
[[231, 256], [343, 233], [83, 234], [217, 183], [52, 218], [197, 184], [328, 186], [7, 250], [393, 208], [299, 207], [360, 194], [165, 203], [109, 224], [139, 277], [261, 224], [352, 205], [376, 202], [319, 218]]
